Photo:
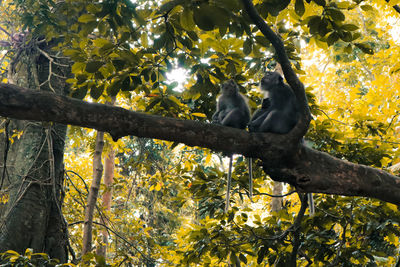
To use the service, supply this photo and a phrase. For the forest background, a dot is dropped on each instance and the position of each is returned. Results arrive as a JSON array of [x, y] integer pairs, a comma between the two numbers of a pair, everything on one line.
[[127, 188]]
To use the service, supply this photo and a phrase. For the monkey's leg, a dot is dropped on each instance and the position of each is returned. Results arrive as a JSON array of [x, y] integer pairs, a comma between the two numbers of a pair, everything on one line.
[[228, 184], [311, 203], [250, 179]]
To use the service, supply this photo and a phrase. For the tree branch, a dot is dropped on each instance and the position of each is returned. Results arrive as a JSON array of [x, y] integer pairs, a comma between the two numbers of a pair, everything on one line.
[[307, 169], [396, 7]]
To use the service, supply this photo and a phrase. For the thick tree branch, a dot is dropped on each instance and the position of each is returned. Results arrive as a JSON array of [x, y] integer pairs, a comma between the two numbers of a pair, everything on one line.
[[20, 103], [307, 169], [315, 171]]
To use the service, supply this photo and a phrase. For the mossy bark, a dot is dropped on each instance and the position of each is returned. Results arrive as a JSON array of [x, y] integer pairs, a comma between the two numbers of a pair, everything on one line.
[[33, 158]]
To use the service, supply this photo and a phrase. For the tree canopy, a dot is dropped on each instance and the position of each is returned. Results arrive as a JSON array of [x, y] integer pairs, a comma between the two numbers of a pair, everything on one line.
[[339, 58]]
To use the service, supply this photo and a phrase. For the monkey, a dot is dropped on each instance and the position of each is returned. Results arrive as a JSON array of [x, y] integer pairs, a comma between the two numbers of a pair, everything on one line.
[[232, 107], [232, 111], [279, 111]]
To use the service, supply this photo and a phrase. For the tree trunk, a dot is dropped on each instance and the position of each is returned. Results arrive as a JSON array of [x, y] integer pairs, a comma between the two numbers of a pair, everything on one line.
[[31, 161], [276, 202], [109, 164], [93, 193]]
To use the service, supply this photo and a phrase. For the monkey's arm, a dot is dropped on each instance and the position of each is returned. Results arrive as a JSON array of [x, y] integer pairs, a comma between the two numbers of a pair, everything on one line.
[[214, 117], [257, 119]]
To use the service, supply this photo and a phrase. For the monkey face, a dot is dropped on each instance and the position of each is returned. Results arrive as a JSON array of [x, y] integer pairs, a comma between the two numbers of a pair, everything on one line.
[[229, 88], [270, 78]]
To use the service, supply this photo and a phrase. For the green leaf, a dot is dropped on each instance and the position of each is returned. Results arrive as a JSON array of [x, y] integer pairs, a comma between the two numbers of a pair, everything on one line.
[[247, 46], [274, 7], [160, 42], [336, 14], [349, 27], [356, 35], [186, 18], [192, 35], [299, 7], [144, 40], [323, 27], [204, 18], [367, 8], [114, 88], [85, 18], [152, 103], [365, 48], [93, 66], [80, 92], [234, 259], [207, 17], [242, 258], [320, 2], [96, 91], [261, 254], [346, 36], [92, 8], [262, 40], [221, 16], [126, 83], [348, 49], [100, 42], [332, 38], [153, 77], [313, 24]]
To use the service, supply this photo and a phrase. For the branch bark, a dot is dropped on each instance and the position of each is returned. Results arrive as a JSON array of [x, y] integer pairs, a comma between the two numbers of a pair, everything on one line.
[[307, 169]]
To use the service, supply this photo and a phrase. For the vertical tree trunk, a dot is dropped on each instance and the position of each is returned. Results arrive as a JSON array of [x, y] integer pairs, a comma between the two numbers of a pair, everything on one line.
[[109, 164], [93, 193], [31, 163], [276, 202]]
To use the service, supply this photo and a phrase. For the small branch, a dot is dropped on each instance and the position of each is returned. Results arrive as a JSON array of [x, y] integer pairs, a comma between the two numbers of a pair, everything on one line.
[[117, 235], [270, 195], [6, 32], [296, 226], [51, 73]]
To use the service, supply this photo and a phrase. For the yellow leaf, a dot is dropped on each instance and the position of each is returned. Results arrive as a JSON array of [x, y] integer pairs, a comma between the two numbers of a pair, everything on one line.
[[202, 115], [158, 187], [208, 159]]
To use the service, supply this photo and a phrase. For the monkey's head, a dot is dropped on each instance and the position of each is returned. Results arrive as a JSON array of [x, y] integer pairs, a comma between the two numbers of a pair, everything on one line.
[[270, 78], [229, 88]]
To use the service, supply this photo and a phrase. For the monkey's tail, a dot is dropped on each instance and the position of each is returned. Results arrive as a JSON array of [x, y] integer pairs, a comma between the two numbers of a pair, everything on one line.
[[250, 179], [311, 204], [228, 185]]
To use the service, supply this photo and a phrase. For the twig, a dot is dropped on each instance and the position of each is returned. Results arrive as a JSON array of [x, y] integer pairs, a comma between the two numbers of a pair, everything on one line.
[[270, 195], [51, 62], [6, 32], [296, 226], [118, 235]]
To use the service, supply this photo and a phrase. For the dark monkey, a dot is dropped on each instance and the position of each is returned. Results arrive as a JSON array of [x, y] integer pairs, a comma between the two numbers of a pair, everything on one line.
[[279, 111], [232, 111], [232, 108]]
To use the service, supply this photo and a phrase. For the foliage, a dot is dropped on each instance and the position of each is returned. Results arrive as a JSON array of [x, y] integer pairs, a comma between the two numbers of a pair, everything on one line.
[[13, 258], [168, 199]]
